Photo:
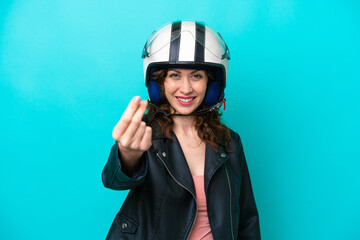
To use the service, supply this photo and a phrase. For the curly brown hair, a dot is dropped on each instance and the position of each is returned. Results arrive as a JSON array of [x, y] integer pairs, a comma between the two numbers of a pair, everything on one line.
[[208, 125]]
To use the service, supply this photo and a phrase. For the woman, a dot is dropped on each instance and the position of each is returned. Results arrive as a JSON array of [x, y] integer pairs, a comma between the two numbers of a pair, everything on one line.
[[186, 171]]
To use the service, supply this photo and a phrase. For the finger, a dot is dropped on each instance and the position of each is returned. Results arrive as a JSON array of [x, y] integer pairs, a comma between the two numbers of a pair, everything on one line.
[[136, 120], [146, 140], [140, 111], [138, 135], [126, 117]]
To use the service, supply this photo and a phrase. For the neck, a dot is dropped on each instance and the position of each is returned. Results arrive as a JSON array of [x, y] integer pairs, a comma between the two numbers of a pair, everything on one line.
[[184, 124]]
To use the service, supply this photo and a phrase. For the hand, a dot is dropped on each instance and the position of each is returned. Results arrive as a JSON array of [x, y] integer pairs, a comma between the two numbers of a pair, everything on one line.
[[132, 134]]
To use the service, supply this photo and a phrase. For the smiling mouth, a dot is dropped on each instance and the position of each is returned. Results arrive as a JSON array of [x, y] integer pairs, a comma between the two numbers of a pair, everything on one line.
[[185, 100]]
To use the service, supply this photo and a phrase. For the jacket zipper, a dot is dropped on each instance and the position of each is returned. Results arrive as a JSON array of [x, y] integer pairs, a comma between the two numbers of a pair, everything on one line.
[[167, 169], [227, 175]]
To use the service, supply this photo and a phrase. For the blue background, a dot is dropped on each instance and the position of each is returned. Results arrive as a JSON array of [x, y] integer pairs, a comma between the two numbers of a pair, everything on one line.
[[69, 68]]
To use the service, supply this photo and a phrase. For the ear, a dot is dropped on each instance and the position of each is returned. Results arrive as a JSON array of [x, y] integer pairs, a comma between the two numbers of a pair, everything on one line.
[[212, 93], [154, 92]]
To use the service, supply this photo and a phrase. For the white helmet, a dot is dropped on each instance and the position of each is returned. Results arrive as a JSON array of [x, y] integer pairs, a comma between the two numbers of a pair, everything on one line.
[[187, 44]]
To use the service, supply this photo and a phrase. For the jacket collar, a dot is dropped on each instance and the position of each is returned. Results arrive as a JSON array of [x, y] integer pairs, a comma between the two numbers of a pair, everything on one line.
[[172, 156]]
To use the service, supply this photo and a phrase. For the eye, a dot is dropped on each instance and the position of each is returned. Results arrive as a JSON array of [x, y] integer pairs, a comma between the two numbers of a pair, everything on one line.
[[197, 76], [174, 75]]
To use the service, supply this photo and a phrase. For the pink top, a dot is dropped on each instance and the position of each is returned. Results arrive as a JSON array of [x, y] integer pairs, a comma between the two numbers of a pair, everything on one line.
[[201, 228]]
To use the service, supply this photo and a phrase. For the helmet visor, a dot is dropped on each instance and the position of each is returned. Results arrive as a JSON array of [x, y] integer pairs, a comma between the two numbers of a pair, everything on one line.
[[209, 40]]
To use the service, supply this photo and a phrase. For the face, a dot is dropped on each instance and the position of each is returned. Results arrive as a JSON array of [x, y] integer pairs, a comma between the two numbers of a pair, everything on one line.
[[185, 89]]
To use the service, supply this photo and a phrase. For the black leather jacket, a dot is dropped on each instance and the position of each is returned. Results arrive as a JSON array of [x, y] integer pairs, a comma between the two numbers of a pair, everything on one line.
[[162, 204]]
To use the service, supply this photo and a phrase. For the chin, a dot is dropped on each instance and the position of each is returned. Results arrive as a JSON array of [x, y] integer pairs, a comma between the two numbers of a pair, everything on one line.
[[184, 111]]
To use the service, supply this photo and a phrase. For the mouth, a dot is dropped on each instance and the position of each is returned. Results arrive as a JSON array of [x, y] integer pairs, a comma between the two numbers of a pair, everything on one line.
[[185, 100]]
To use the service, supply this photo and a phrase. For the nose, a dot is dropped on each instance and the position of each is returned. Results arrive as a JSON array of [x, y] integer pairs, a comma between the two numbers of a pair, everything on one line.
[[186, 87]]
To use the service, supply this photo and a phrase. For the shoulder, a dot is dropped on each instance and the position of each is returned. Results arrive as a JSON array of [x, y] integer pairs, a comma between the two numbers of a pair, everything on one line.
[[234, 135], [235, 142]]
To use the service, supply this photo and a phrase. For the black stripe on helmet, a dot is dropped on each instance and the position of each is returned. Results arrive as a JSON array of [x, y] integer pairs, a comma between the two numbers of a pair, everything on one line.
[[175, 41], [200, 42]]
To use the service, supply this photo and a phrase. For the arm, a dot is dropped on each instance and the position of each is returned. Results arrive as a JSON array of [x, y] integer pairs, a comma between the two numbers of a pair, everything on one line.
[[127, 165], [249, 228], [114, 177]]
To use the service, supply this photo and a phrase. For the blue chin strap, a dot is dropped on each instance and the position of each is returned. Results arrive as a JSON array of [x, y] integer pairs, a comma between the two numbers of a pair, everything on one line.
[[212, 95]]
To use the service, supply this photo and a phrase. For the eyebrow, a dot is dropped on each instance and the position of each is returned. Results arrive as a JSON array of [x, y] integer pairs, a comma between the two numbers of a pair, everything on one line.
[[171, 69]]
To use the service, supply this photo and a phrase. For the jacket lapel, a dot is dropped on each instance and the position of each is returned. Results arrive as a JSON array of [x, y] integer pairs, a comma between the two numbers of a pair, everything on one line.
[[174, 160], [213, 160]]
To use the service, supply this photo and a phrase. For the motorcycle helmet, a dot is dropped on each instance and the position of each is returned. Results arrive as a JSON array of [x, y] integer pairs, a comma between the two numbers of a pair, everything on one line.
[[187, 44]]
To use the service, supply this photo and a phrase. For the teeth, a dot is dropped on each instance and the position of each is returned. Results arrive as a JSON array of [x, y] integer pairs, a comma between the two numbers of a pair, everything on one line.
[[185, 99]]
